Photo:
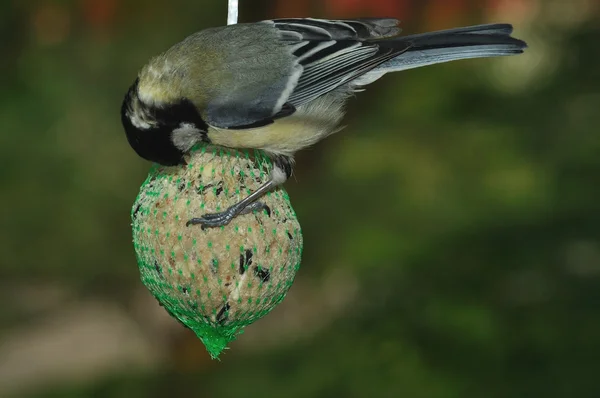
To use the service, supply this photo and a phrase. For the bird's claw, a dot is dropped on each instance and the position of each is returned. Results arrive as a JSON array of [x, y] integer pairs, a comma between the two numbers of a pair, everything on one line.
[[212, 220], [223, 218]]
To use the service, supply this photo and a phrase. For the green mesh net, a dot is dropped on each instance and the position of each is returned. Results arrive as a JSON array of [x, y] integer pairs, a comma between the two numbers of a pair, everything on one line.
[[218, 280]]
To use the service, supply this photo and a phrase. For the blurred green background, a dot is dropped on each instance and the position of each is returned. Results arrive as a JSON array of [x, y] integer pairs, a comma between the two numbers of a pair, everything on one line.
[[452, 246]]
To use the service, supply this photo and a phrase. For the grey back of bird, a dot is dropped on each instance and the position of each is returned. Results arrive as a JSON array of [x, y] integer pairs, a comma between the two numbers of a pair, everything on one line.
[[269, 69]]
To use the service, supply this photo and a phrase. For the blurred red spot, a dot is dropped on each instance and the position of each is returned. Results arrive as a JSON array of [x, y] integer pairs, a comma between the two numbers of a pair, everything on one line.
[[99, 14], [367, 8], [385, 8], [343, 8], [292, 9]]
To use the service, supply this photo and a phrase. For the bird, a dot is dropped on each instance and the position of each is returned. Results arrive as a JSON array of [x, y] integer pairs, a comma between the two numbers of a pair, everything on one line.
[[278, 86]]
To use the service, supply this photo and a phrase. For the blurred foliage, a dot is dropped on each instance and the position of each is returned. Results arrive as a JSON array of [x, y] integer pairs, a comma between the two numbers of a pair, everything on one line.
[[465, 198]]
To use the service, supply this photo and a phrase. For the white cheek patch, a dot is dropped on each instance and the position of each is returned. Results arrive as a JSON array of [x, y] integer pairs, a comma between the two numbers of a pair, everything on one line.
[[139, 116], [139, 121], [186, 136]]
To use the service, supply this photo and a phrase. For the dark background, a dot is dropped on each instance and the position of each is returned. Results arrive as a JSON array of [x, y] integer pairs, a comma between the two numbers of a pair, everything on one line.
[[452, 241]]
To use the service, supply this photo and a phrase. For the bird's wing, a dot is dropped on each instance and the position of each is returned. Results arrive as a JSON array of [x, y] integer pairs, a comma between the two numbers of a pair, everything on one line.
[[333, 53], [327, 54]]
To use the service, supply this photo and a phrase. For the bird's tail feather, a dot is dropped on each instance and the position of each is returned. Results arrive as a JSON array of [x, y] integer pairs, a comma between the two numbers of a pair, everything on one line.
[[481, 41]]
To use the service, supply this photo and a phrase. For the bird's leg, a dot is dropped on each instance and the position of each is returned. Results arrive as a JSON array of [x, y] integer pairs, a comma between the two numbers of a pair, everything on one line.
[[282, 170]]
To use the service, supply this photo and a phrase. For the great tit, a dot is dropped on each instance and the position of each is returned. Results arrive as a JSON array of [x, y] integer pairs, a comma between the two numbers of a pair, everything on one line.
[[278, 86]]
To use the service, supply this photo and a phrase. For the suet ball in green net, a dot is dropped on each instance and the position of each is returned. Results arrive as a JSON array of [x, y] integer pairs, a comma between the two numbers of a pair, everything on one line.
[[216, 281]]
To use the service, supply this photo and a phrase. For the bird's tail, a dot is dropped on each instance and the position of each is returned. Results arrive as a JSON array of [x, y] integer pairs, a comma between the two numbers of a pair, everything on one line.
[[480, 41]]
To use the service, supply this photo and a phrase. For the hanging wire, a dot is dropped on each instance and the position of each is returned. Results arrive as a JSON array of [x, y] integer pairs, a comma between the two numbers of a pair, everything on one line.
[[232, 12]]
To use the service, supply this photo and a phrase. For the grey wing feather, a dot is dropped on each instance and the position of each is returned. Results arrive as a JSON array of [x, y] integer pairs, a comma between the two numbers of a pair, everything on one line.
[[362, 28], [333, 53]]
